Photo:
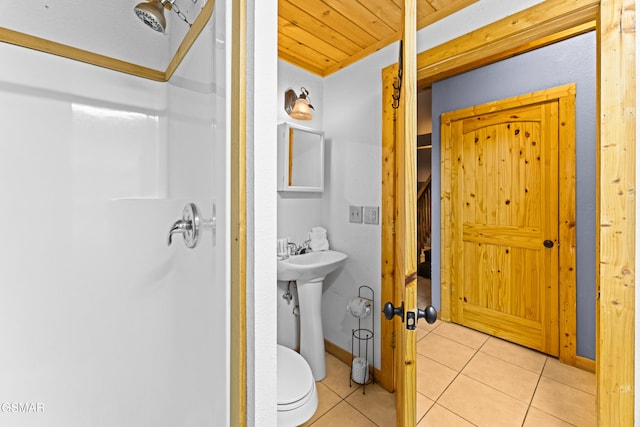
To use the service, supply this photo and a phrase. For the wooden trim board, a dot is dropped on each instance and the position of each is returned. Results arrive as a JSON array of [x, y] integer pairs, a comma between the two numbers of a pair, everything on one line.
[[387, 219], [238, 250], [543, 24], [616, 213], [47, 46]]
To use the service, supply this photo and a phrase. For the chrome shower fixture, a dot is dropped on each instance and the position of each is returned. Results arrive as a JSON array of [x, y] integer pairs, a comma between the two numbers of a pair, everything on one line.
[[152, 13]]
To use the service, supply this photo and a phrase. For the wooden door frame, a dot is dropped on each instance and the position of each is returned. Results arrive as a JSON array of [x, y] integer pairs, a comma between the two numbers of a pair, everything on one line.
[[238, 217], [538, 26], [565, 96]]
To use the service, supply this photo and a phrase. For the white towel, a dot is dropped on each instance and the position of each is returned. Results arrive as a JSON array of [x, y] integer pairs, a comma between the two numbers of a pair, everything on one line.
[[319, 245], [318, 239]]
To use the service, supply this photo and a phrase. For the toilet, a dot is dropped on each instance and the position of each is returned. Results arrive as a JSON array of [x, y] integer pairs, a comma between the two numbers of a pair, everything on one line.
[[297, 394]]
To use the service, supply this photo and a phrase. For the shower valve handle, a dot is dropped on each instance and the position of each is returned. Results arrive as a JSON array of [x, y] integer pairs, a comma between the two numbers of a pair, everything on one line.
[[188, 226], [180, 226]]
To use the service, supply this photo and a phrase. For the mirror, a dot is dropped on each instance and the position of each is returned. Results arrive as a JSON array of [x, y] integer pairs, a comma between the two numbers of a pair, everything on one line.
[[300, 158]]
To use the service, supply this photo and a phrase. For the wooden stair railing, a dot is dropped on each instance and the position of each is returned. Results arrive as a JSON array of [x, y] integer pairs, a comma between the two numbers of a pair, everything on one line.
[[423, 215]]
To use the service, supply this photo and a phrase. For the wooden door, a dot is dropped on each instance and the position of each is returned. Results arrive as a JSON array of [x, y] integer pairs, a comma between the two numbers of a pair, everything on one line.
[[405, 242], [504, 220]]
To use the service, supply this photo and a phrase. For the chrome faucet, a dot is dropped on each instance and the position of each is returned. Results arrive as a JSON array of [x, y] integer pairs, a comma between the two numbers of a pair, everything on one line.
[[305, 247], [299, 250], [293, 248]]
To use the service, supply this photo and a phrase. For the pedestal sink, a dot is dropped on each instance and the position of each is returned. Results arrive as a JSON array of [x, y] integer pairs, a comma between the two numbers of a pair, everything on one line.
[[309, 271]]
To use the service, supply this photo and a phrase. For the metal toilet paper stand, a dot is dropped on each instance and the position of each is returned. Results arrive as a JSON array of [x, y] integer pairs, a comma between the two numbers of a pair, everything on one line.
[[362, 340]]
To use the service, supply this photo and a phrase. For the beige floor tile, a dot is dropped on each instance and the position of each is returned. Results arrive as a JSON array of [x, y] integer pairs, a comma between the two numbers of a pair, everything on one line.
[[462, 335], [423, 325], [377, 404], [567, 403], [503, 376], [570, 375], [423, 404], [481, 404], [513, 353], [432, 378], [337, 378], [445, 351], [421, 333], [537, 418], [327, 399], [343, 415], [440, 417]]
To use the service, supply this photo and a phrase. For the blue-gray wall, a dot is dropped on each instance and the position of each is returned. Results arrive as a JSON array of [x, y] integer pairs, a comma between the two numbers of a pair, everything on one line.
[[570, 61]]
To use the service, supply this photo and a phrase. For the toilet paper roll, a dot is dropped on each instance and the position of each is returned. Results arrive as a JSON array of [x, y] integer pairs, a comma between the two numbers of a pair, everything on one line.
[[359, 307], [360, 370]]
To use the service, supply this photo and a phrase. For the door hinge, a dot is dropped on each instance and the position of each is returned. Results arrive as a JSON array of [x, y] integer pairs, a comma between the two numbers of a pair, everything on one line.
[[393, 226], [393, 339]]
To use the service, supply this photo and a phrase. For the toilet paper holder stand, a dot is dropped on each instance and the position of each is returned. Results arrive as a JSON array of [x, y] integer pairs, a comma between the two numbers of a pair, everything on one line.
[[362, 345]]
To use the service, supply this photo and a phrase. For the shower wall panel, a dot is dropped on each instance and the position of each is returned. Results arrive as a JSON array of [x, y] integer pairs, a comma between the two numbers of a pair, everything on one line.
[[103, 323]]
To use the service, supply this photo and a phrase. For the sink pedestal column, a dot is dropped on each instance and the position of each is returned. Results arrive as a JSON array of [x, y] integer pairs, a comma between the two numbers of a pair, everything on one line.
[[311, 335]]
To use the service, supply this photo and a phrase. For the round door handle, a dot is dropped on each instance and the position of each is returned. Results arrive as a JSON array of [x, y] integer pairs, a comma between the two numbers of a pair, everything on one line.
[[429, 314], [389, 311], [548, 244]]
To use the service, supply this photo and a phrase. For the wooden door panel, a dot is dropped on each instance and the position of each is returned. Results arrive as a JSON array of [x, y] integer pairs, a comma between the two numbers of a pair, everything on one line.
[[488, 287], [504, 206]]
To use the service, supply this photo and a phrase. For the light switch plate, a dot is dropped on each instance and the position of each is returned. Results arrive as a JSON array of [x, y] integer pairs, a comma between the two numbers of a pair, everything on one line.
[[371, 215], [355, 214]]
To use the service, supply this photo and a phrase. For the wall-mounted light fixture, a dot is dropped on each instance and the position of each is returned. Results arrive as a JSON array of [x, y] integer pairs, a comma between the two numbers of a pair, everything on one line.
[[298, 107]]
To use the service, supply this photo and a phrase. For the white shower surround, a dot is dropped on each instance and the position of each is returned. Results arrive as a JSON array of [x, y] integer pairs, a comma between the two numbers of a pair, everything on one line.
[[103, 323]]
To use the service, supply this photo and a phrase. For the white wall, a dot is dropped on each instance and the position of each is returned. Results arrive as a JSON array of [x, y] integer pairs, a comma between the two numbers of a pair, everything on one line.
[[298, 212], [103, 323], [353, 135], [261, 211]]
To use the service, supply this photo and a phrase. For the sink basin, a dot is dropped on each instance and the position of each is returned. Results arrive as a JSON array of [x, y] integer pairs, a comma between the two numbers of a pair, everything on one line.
[[310, 266], [309, 271]]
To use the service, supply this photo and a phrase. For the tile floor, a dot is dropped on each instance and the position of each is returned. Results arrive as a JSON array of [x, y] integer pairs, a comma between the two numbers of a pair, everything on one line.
[[466, 378]]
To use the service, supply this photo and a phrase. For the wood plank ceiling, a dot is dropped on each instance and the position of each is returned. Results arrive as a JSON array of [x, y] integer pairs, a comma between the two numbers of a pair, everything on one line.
[[324, 36]]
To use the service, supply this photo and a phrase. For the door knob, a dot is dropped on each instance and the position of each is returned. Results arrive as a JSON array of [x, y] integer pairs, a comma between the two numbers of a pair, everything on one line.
[[389, 311], [548, 244], [429, 314]]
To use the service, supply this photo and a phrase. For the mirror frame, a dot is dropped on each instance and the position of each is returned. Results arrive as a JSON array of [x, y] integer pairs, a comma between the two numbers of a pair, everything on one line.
[[285, 158], [93, 58]]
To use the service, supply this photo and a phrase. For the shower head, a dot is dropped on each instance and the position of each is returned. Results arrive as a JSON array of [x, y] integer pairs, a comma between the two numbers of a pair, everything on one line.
[[152, 14]]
